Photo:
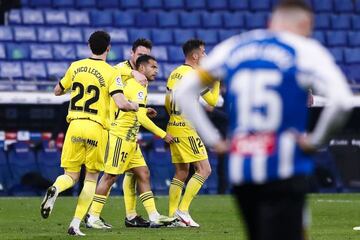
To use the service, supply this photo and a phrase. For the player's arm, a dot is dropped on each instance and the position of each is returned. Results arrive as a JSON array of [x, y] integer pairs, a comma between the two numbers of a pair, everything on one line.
[[211, 95], [122, 103], [168, 101], [127, 71], [64, 84]]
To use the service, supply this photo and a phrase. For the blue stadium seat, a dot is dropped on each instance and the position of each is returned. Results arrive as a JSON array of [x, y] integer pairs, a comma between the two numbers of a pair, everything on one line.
[[34, 70], [23, 34], [139, 33], [356, 22], [55, 17], [224, 34], [49, 162], [354, 39], [2, 51], [160, 76], [260, 5], [238, 5], [175, 54], [336, 38], [6, 34], [14, 17], [322, 21], [190, 19], [15, 51], [182, 35], [48, 34], [234, 20], [56, 70], [118, 35], [78, 18], [5, 174], [256, 20], [343, 5], [82, 51], [126, 51], [340, 22], [161, 170], [108, 4], [212, 20], [353, 73], [64, 52], [160, 53], [88, 4], [128, 4], [209, 36], [124, 19], [357, 6], [169, 67], [70, 35], [168, 19], [32, 17], [64, 4], [216, 5], [152, 4], [41, 52], [145, 19], [101, 18], [40, 3], [352, 55], [174, 5], [322, 5], [12, 70], [338, 54], [161, 36], [87, 32], [320, 36], [195, 5], [116, 53]]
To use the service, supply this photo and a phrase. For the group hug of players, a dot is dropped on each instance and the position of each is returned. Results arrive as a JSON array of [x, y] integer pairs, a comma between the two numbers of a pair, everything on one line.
[[107, 107]]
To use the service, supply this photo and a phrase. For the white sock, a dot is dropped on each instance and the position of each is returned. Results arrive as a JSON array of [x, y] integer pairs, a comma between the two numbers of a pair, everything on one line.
[[154, 216], [131, 216], [75, 223]]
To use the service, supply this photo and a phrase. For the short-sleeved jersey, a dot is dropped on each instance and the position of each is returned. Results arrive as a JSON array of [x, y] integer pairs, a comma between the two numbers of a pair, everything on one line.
[[126, 124], [177, 125], [91, 82], [124, 70]]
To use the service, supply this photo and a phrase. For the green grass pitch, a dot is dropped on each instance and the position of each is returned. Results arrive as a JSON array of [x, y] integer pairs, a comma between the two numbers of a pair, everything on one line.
[[333, 216]]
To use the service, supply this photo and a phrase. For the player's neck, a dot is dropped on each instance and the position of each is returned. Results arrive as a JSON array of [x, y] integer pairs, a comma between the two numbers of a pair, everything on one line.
[[191, 63], [99, 57]]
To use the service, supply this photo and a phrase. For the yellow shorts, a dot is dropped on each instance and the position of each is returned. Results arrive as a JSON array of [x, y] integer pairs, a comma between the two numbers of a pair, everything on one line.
[[188, 149], [85, 143], [122, 156]]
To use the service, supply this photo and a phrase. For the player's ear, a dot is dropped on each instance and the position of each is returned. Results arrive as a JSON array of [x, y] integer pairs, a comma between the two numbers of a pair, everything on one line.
[[108, 48]]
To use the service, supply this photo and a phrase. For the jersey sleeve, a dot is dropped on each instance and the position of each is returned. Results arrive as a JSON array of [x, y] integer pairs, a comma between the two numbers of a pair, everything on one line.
[[138, 93], [148, 124], [116, 85], [65, 82], [123, 69], [211, 95]]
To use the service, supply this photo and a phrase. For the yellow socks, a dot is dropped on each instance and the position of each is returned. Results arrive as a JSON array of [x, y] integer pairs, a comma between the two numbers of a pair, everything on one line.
[[147, 198], [85, 199], [129, 189], [97, 205], [175, 191], [63, 182], [191, 190]]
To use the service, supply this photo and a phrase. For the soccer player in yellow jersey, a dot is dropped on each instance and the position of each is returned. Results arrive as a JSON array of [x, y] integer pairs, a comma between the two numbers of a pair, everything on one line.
[[124, 153], [188, 147], [92, 83]]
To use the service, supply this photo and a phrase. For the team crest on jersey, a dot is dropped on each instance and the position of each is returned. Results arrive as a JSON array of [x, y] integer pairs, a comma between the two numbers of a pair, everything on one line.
[[119, 82], [141, 96]]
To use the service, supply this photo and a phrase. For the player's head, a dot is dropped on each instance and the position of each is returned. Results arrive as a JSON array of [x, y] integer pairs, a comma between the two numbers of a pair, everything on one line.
[[147, 65], [141, 46], [194, 50], [99, 42], [293, 16]]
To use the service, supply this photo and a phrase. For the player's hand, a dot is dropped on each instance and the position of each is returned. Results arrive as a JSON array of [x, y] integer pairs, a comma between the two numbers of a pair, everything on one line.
[[168, 138], [151, 113], [221, 147], [304, 143], [140, 78]]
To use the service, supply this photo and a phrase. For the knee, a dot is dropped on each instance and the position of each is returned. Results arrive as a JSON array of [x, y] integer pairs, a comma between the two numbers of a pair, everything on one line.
[[109, 179], [144, 175], [181, 175], [204, 171]]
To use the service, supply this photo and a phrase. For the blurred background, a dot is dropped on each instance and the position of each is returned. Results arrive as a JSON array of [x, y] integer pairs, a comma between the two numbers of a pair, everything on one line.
[[40, 38]]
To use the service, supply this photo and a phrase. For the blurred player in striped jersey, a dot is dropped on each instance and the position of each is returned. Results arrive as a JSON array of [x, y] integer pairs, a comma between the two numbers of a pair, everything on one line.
[[188, 147], [267, 74]]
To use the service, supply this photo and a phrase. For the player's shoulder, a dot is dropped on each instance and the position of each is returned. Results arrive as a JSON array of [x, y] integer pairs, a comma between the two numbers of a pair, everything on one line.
[[123, 64]]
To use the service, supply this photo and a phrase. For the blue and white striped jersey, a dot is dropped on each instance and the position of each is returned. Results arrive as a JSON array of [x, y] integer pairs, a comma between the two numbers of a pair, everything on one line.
[[267, 75]]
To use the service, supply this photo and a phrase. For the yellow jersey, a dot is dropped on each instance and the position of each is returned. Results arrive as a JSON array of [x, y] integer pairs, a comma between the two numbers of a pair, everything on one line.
[[126, 125], [124, 70], [91, 82], [178, 125]]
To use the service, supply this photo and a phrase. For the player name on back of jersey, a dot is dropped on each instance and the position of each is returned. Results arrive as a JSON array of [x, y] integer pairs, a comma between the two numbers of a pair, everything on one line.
[[92, 71]]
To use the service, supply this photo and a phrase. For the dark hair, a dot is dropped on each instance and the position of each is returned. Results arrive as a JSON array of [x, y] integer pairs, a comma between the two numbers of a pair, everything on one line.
[[300, 4], [99, 41], [192, 45], [143, 59], [142, 42]]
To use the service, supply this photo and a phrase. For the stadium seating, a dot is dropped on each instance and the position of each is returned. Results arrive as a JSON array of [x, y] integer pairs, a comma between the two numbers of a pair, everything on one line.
[[49, 162], [101, 18], [354, 39], [70, 35], [124, 19], [343, 5], [161, 170], [161, 36], [212, 20], [5, 175], [48, 34], [34, 71], [85, 4], [6, 34], [11, 70], [174, 5], [2, 51], [55, 17], [78, 18], [168, 19], [32, 17], [110, 4], [41, 52], [195, 5], [64, 4]]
